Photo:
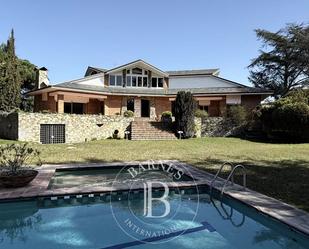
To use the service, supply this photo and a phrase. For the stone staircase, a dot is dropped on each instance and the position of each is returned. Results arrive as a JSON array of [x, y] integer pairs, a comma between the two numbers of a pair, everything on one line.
[[151, 130]]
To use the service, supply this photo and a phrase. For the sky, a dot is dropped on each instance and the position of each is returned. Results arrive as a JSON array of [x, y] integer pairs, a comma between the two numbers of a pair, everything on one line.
[[67, 36]]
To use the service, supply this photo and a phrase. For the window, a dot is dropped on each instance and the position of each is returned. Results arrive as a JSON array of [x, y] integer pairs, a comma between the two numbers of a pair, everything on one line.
[[119, 80], [73, 108], [115, 80], [203, 107], [128, 80], [145, 82], [139, 81], [154, 82], [137, 71], [112, 80], [146, 72], [133, 80], [128, 71]]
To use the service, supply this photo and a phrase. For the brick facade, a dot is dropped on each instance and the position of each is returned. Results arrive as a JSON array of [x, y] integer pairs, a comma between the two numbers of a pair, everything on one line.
[[116, 105], [40, 105]]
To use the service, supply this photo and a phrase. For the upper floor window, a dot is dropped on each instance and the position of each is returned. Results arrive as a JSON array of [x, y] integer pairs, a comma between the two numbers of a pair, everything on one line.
[[136, 77], [137, 70], [156, 82], [115, 80]]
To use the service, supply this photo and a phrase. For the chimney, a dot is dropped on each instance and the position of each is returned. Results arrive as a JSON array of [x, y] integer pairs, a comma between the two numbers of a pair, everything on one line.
[[42, 78]]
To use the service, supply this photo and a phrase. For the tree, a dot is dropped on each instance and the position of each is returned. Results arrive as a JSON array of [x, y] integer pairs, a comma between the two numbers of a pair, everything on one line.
[[17, 76], [184, 114], [28, 78], [279, 68], [301, 34]]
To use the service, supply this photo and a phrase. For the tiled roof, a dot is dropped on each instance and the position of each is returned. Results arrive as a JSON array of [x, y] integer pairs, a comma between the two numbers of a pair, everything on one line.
[[219, 90], [119, 90], [193, 72], [160, 92]]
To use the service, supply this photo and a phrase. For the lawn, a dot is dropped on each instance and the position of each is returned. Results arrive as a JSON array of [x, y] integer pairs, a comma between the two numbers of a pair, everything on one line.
[[277, 170]]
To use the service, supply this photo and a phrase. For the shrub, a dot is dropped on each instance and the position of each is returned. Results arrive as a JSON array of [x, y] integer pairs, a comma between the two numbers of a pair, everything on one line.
[[14, 156], [200, 113], [167, 117], [167, 114], [286, 122], [184, 114], [287, 118], [128, 114], [236, 115]]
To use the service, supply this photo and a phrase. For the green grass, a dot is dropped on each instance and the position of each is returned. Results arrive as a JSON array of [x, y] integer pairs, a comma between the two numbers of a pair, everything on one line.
[[277, 170]]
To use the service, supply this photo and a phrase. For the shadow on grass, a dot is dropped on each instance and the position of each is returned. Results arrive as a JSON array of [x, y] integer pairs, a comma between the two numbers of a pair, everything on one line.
[[286, 180]]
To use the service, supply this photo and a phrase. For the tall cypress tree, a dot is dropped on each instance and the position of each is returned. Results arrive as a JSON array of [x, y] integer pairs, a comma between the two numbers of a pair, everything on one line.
[[184, 113], [11, 81]]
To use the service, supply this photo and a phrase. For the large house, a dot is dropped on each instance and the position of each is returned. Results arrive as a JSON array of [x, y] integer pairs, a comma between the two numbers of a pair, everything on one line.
[[142, 88]]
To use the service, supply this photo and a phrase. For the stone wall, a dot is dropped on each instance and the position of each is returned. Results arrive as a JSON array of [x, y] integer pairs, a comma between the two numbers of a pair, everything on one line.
[[198, 127], [218, 127], [78, 128]]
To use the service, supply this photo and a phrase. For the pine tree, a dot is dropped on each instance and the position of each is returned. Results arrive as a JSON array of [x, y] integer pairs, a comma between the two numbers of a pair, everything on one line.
[[280, 66], [10, 84]]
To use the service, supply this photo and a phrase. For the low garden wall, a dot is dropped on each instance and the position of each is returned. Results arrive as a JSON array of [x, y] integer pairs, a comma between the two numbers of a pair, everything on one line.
[[214, 127], [78, 128]]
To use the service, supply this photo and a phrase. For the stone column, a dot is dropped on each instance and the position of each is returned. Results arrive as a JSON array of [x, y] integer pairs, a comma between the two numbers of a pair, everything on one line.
[[137, 107], [152, 108]]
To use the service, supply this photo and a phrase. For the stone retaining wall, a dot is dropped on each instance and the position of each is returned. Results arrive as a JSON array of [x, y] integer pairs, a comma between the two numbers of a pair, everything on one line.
[[78, 128], [213, 127]]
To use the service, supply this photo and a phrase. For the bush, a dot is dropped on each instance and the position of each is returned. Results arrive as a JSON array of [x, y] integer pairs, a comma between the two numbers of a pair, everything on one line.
[[200, 113], [288, 122], [167, 114], [287, 118], [14, 156], [184, 114], [166, 117], [128, 114], [236, 115]]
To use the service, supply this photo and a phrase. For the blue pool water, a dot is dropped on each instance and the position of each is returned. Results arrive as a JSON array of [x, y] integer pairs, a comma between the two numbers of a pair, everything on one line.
[[89, 222]]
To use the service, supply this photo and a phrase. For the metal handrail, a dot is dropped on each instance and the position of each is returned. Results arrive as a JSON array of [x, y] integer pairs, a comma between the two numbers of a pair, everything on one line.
[[231, 176], [228, 216], [217, 174]]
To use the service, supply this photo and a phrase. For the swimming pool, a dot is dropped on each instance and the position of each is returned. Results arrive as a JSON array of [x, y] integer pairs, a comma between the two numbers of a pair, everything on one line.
[[108, 176], [89, 222]]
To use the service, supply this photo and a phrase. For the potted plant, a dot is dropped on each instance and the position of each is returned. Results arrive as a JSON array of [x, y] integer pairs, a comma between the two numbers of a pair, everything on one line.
[[14, 159], [166, 117]]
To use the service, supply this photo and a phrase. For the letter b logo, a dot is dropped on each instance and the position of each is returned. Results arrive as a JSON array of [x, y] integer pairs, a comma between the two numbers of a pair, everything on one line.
[[148, 200]]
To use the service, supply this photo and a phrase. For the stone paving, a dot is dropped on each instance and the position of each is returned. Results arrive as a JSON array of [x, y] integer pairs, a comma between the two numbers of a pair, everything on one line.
[[295, 218]]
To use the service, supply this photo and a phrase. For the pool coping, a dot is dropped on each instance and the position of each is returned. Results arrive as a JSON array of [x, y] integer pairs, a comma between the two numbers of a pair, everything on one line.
[[295, 218]]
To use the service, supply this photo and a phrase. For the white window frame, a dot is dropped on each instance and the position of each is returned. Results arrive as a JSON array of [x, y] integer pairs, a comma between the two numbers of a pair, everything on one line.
[[116, 80], [157, 84], [138, 75]]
